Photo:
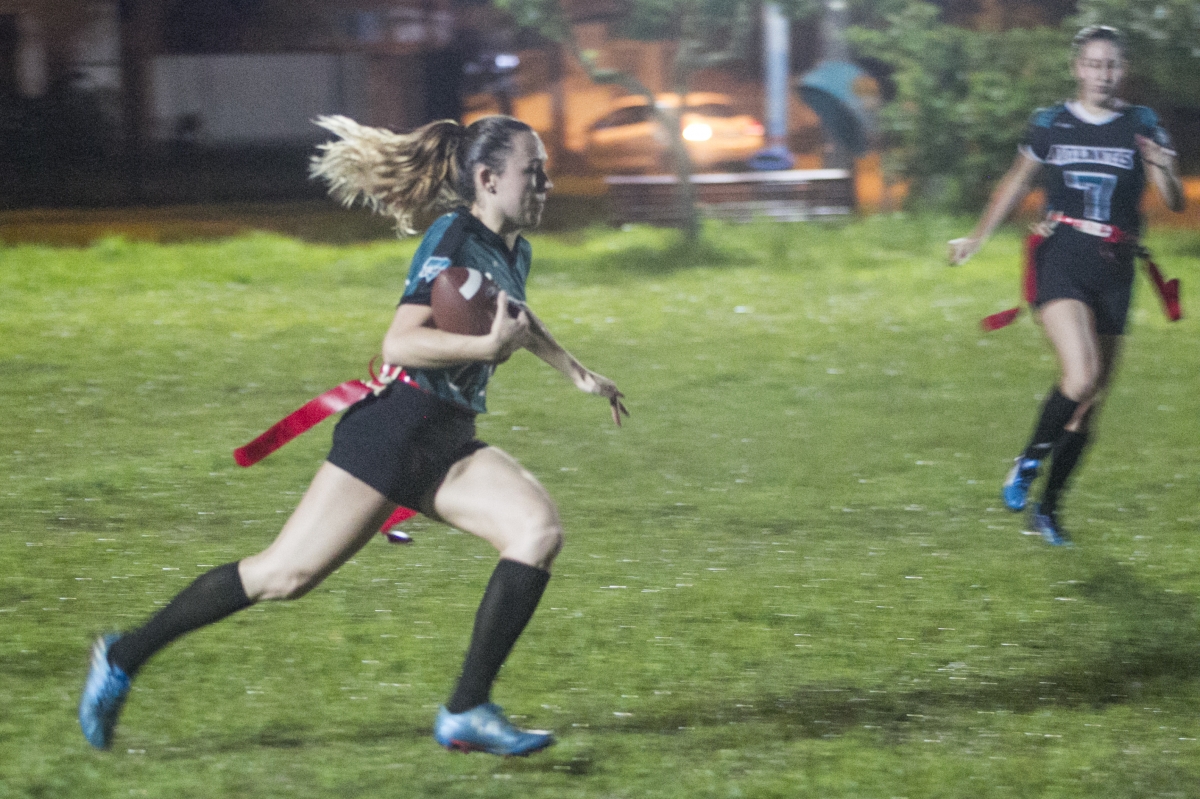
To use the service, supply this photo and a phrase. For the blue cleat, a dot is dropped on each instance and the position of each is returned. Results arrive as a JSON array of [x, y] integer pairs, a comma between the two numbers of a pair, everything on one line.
[[485, 729], [103, 695], [1046, 525], [1016, 486]]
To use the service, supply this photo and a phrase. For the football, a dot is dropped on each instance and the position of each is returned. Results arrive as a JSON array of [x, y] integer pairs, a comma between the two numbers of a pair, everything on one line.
[[463, 301]]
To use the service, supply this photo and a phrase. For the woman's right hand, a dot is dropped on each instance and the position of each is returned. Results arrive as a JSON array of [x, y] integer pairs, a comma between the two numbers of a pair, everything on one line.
[[962, 249], [508, 333]]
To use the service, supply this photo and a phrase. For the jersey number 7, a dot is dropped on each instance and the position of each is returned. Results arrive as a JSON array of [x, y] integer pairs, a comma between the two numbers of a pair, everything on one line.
[[1097, 188]]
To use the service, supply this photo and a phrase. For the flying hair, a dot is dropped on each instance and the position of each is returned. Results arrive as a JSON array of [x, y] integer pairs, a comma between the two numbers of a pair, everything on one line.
[[401, 175], [406, 175]]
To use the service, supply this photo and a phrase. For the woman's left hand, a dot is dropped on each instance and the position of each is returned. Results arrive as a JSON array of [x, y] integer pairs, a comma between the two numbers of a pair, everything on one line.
[[593, 383], [1153, 153], [1164, 176]]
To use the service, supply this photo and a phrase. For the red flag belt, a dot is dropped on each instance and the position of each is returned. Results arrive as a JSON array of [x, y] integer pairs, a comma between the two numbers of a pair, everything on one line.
[[1167, 290], [316, 410]]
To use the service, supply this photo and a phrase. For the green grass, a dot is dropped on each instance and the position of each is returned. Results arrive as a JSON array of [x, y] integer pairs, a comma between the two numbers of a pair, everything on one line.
[[788, 575]]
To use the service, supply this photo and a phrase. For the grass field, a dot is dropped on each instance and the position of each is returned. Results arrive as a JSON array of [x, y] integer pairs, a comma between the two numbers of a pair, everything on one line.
[[788, 575]]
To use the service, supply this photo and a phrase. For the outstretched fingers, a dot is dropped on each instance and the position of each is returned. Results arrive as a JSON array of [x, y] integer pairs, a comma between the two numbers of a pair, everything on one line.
[[617, 407], [594, 383]]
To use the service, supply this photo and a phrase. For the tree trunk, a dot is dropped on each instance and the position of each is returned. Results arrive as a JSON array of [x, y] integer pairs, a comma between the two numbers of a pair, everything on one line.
[[686, 194], [136, 51]]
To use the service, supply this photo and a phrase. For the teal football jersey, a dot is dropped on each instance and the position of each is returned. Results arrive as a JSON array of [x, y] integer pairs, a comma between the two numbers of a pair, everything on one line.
[[459, 239]]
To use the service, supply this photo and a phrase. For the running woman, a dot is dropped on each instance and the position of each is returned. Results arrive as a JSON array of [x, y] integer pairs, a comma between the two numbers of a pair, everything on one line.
[[414, 444], [1093, 154]]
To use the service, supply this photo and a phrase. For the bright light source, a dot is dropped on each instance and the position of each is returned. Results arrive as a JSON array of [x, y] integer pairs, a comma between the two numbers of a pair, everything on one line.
[[507, 61], [697, 131]]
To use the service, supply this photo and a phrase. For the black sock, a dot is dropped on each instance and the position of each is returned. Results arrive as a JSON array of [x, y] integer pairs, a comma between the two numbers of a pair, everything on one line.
[[1067, 451], [1056, 413], [508, 603], [211, 597]]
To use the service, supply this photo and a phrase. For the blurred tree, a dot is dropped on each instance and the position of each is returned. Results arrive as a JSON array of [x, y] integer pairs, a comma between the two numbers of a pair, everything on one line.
[[962, 100], [997, 15], [707, 33]]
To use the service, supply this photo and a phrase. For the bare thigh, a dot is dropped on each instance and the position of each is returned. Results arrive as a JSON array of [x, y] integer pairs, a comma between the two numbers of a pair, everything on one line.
[[489, 495], [1071, 329], [337, 515]]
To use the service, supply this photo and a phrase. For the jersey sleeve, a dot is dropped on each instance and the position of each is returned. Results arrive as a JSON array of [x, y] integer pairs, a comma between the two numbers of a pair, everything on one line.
[[1036, 141], [419, 286], [437, 252], [1150, 127]]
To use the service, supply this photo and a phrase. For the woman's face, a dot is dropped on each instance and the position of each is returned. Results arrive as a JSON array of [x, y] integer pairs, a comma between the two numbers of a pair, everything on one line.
[[519, 190], [1098, 70]]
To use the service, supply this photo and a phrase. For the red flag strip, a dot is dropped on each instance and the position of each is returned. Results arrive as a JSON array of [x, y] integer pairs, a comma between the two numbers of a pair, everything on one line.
[[1028, 286], [1167, 290], [304, 418], [312, 413]]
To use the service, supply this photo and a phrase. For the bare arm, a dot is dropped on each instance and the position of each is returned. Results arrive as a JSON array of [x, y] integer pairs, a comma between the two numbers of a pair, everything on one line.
[[542, 344], [1163, 172], [413, 341], [1008, 194]]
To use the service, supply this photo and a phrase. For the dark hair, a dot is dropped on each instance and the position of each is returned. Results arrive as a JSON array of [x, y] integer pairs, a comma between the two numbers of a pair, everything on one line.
[[1097, 33], [405, 175], [486, 141]]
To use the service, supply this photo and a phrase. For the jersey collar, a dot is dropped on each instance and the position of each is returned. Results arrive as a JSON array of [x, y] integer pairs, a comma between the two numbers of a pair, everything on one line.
[[490, 236], [1076, 110]]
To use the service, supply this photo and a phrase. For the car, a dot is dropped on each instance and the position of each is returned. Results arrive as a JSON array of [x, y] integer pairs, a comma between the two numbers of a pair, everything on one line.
[[628, 139]]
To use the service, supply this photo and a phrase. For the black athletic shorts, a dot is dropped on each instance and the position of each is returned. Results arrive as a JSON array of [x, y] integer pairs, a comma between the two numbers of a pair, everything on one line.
[[402, 442], [1076, 266]]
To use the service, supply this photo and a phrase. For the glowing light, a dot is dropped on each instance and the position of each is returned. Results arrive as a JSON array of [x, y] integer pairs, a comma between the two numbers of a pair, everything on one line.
[[697, 131]]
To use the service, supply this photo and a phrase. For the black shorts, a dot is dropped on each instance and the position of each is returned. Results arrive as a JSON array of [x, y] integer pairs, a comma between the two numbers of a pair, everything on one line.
[[1075, 266], [402, 442]]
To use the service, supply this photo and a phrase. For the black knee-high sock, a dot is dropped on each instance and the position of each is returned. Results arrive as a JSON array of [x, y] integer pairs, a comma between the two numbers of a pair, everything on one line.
[[211, 597], [508, 603], [1056, 413], [1067, 451]]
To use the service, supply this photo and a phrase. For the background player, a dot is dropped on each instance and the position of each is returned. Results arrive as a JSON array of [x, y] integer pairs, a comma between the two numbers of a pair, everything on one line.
[[1093, 154], [414, 444]]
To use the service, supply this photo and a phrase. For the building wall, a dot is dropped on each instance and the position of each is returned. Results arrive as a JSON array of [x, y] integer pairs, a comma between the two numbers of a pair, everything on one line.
[[255, 99]]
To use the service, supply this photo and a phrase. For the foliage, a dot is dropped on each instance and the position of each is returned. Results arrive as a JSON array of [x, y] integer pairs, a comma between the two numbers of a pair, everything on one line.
[[1164, 43], [787, 575], [963, 99]]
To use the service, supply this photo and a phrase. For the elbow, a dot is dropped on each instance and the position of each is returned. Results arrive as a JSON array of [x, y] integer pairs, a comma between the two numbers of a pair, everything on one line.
[[397, 352]]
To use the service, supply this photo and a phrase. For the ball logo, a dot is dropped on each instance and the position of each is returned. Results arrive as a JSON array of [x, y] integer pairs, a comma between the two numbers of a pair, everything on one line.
[[471, 286]]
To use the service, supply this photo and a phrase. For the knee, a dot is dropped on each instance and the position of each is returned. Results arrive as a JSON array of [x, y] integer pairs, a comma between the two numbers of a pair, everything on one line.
[[266, 582], [541, 534], [1082, 384], [546, 538]]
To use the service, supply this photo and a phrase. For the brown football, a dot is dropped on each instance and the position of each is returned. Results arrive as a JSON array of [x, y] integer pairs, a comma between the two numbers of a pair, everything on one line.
[[463, 301]]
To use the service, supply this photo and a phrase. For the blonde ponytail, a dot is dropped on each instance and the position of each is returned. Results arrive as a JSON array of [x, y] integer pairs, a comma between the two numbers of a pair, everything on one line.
[[395, 174]]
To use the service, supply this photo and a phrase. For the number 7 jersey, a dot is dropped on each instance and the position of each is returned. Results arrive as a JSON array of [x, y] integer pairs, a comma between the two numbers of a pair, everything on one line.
[[1093, 168]]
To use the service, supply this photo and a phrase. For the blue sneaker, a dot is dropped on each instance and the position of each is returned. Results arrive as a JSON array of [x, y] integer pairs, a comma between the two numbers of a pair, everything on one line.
[[486, 729], [1016, 486], [1046, 525], [103, 695]]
